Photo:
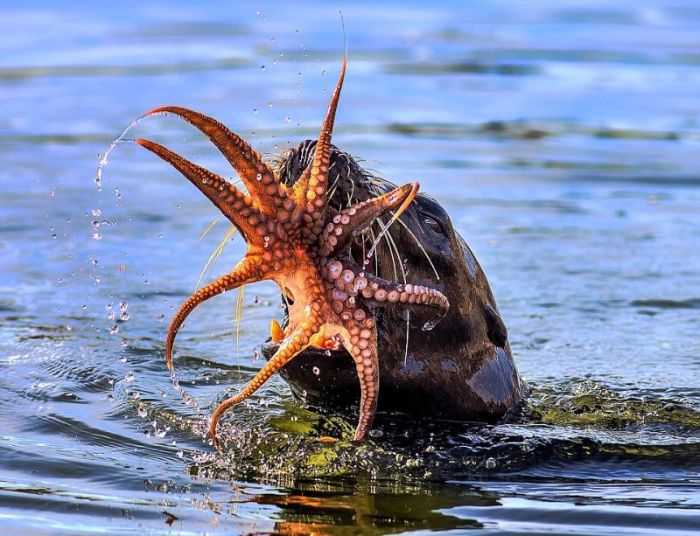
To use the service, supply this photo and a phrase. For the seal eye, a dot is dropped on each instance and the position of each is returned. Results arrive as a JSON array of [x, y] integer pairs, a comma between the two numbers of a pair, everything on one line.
[[432, 223]]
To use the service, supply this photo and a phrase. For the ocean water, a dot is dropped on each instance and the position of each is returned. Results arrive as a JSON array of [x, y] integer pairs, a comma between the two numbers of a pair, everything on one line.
[[562, 137]]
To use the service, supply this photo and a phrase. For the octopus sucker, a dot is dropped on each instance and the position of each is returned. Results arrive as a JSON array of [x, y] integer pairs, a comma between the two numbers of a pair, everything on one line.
[[297, 240]]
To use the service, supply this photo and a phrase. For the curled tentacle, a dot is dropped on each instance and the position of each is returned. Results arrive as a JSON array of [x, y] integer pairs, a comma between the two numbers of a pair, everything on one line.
[[259, 179], [233, 203], [297, 341], [246, 271], [355, 219]]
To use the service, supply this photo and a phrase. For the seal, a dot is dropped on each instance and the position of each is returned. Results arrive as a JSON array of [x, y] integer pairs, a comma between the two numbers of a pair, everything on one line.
[[460, 367], [319, 251]]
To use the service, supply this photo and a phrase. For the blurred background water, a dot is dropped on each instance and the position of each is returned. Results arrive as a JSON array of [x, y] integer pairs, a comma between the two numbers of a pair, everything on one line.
[[562, 137]]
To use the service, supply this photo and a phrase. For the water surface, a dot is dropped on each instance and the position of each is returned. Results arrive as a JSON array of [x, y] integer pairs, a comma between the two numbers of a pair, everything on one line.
[[564, 142]]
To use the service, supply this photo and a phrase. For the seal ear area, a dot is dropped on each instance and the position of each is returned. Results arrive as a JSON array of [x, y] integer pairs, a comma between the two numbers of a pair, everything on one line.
[[495, 327]]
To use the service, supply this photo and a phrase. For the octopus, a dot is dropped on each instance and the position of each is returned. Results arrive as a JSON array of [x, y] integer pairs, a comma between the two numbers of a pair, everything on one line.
[[296, 239]]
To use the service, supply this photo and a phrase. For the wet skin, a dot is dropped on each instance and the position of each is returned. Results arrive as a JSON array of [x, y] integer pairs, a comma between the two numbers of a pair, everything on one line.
[[460, 368]]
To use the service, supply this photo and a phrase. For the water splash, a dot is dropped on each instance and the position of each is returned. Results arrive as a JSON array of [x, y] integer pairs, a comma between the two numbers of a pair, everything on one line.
[[104, 159], [428, 326]]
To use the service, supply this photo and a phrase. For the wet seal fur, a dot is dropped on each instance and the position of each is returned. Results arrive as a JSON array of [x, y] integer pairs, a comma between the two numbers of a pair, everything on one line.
[[462, 367]]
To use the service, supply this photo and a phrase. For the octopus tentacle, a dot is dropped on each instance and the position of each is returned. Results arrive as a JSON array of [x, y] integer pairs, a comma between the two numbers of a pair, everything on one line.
[[317, 187], [355, 219], [297, 341], [352, 283], [380, 292], [362, 347], [233, 203], [246, 271], [259, 179]]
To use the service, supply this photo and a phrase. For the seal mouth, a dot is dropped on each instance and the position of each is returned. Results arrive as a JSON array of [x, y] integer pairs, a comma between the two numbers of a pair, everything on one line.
[[269, 348], [277, 331]]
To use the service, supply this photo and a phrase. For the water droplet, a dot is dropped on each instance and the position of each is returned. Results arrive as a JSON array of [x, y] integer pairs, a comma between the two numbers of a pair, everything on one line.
[[114, 330], [287, 119], [255, 110], [259, 176], [179, 454], [262, 67], [117, 194], [135, 395], [490, 463], [96, 212], [96, 236], [129, 377], [429, 325], [143, 412], [124, 314], [376, 433], [122, 359], [316, 370]]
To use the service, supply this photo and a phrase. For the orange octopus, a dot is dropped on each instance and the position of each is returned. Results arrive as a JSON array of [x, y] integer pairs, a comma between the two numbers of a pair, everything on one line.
[[297, 240]]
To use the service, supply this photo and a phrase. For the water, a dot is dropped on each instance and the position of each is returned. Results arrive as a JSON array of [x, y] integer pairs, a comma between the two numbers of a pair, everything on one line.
[[564, 140]]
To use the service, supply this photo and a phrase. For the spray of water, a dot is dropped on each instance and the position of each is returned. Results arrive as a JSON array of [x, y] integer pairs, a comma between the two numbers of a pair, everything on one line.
[[102, 164], [104, 159]]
